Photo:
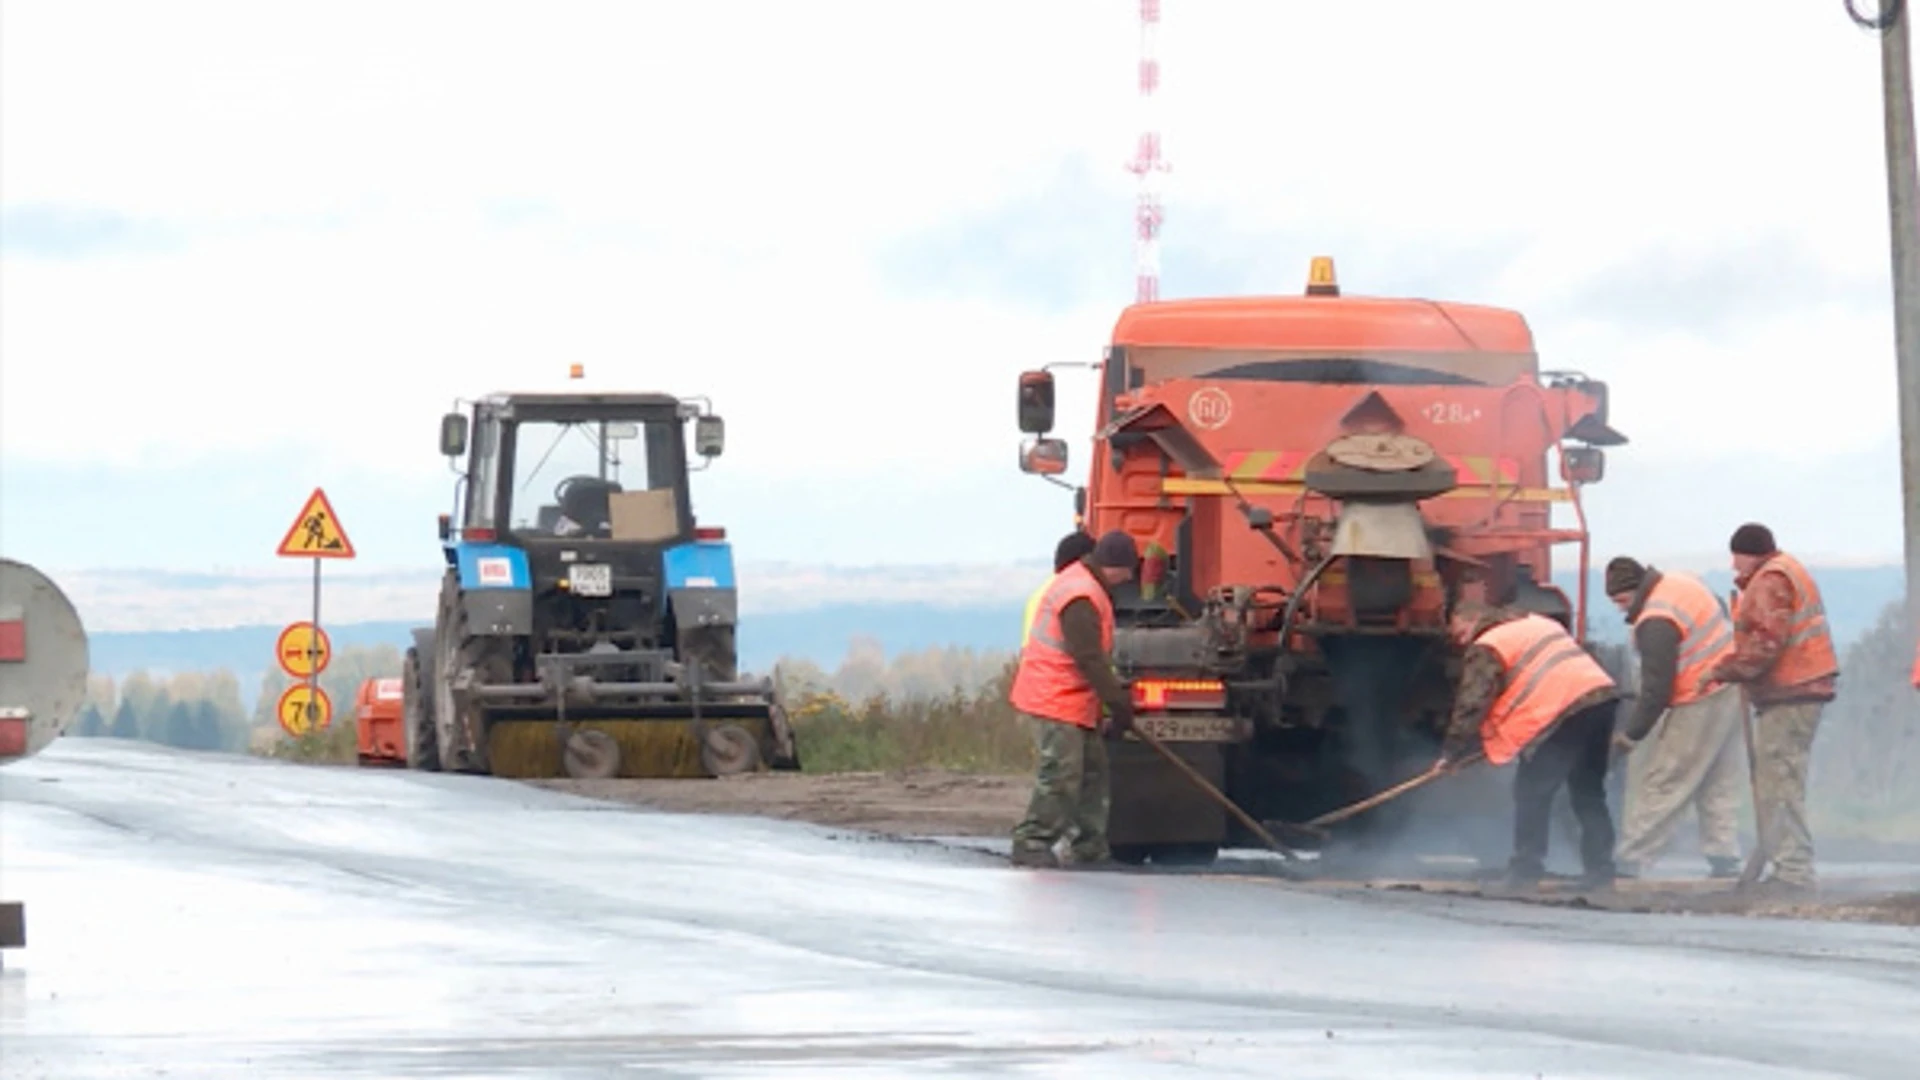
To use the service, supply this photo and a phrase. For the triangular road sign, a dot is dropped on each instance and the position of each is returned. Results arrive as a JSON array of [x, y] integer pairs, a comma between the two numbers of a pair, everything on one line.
[[316, 533]]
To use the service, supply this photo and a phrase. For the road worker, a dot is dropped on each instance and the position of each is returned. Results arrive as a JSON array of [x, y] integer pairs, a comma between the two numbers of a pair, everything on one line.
[[1529, 691], [1072, 547], [1783, 656], [1065, 678], [1683, 744]]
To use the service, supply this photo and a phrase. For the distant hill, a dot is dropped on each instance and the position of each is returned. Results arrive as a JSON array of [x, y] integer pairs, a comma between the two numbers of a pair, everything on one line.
[[1855, 598], [821, 635]]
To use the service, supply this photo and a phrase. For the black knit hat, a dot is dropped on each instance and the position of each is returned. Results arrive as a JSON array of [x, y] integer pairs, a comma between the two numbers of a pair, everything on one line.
[[1752, 539], [1624, 576], [1072, 547], [1116, 549]]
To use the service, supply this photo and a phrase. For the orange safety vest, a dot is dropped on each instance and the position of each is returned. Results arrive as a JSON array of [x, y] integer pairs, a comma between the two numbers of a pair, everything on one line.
[[1546, 671], [1807, 654], [1706, 632], [1048, 683], [1916, 667]]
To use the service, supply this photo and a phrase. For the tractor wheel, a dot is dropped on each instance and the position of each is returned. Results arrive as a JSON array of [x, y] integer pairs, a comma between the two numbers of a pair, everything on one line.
[[729, 750], [423, 748], [460, 726], [714, 647], [591, 755], [785, 756]]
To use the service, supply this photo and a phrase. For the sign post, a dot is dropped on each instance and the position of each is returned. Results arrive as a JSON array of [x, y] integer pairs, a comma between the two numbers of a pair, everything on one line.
[[303, 649]]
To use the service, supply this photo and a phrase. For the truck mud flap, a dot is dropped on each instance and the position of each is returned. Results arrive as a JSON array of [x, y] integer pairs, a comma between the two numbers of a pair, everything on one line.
[[1155, 806]]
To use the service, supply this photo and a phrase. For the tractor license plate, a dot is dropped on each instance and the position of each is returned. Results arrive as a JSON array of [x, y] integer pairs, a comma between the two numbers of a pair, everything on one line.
[[1191, 728], [592, 579]]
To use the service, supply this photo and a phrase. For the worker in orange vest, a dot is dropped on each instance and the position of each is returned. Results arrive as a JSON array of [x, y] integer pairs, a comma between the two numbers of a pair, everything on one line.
[[1529, 691], [1684, 743], [1783, 655], [1072, 547], [1064, 679]]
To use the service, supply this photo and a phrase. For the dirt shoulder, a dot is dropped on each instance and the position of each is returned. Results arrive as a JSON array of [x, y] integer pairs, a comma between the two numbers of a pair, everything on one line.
[[932, 803], [1858, 900], [910, 804]]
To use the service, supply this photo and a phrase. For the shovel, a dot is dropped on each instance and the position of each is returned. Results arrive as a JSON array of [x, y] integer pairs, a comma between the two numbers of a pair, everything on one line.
[[1318, 826]]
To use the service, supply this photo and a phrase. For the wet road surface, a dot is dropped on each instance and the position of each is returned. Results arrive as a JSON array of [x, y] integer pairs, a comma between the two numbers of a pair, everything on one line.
[[205, 916]]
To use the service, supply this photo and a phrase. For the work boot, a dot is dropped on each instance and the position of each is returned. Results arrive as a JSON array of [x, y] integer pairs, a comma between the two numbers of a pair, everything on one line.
[[1596, 881], [1723, 866], [1089, 858], [1778, 890], [1519, 881], [1034, 857]]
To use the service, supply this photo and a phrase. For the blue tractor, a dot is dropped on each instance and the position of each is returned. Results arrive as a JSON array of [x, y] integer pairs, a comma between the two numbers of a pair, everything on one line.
[[586, 621]]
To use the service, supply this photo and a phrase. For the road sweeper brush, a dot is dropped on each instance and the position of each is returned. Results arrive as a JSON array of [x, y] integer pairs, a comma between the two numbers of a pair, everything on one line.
[[586, 623]]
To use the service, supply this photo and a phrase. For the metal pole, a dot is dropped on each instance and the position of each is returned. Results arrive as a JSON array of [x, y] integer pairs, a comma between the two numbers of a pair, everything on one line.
[[313, 658], [1903, 205]]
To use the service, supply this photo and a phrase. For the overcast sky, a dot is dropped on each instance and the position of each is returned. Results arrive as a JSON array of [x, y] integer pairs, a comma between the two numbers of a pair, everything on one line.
[[249, 248]]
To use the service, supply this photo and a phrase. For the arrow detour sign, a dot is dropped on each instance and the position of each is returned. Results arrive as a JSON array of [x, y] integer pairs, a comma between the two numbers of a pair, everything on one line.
[[303, 650]]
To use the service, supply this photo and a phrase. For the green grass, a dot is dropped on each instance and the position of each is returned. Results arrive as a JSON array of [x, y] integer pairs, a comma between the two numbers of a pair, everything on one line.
[[337, 744], [966, 733], [960, 732]]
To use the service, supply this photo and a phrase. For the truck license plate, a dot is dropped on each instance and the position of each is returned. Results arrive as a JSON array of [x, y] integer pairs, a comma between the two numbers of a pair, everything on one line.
[[1191, 728], [592, 579]]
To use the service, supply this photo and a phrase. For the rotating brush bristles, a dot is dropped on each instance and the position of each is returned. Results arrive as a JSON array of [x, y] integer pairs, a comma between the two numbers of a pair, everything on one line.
[[649, 749]]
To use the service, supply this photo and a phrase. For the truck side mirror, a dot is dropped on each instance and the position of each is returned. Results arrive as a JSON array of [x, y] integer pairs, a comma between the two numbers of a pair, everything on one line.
[[1046, 457], [1036, 402], [709, 436], [1584, 464], [453, 435]]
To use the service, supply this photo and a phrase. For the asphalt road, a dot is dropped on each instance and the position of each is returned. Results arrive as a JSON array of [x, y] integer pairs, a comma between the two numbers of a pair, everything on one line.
[[201, 916]]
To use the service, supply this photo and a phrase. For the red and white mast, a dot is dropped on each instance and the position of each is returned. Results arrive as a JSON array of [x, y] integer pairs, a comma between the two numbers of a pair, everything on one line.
[[1146, 162]]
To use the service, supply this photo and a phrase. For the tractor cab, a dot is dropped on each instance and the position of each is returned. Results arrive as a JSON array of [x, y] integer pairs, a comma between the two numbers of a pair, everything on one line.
[[583, 470]]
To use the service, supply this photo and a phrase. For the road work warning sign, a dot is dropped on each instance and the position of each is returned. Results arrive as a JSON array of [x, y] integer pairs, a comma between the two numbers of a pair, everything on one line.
[[316, 533]]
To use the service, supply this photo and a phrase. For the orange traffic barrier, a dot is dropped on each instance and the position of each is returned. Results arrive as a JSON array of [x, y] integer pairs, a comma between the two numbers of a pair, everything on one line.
[[379, 716]]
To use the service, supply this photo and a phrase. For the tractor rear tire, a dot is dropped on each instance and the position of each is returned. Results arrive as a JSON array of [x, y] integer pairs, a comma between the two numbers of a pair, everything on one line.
[[785, 750], [423, 744], [462, 730]]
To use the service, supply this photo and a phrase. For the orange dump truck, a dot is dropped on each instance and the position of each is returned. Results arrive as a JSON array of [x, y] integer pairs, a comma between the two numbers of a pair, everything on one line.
[[377, 718], [1313, 480]]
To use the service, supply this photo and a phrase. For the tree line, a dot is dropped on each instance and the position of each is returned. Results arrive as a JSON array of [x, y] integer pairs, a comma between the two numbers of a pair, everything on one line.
[[205, 710]]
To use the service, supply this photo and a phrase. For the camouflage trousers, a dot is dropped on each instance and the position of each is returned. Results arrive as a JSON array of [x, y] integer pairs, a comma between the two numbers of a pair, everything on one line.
[[1782, 748], [1070, 793], [1691, 759]]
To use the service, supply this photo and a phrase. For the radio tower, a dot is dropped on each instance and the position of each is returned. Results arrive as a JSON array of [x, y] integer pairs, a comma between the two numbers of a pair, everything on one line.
[[1146, 162]]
